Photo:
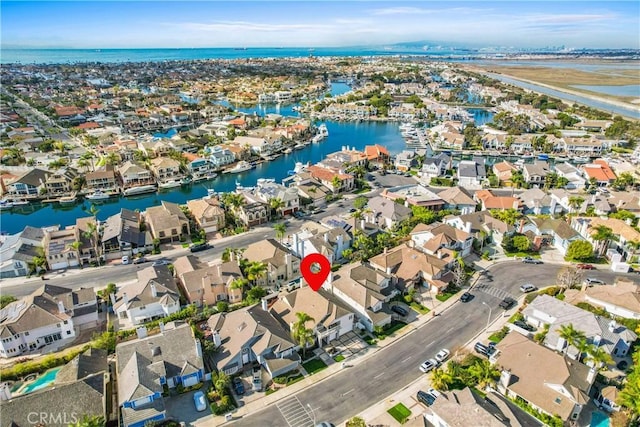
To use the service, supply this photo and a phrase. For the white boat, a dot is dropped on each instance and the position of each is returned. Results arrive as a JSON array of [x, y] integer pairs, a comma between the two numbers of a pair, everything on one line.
[[17, 203], [142, 189], [317, 138], [322, 129], [288, 151], [67, 200], [5, 205], [172, 183], [298, 146], [580, 159], [97, 195], [240, 167]]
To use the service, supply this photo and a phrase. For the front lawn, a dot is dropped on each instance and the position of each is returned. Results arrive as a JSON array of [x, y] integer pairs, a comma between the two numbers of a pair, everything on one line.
[[443, 296], [521, 254], [400, 412], [499, 335], [314, 366], [390, 329], [419, 307], [339, 358]]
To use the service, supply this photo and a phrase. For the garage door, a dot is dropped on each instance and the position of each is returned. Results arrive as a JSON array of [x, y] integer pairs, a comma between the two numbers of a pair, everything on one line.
[[190, 381]]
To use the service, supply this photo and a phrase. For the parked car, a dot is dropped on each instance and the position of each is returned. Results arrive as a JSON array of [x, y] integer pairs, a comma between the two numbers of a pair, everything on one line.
[[524, 325], [428, 365], [433, 392], [442, 355], [160, 262], [238, 386], [482, 349], [586, 267], [529, 260], [528, 287], [200, 247], [200, 401], [466, 297], [398, 309], [325, 424], [507, 303], [425, 398], [590, 281], [140, 260], [125, 260]]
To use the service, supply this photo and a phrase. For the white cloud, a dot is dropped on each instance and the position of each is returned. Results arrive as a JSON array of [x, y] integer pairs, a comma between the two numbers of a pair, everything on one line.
[[401, 11], [570, 18], [250, 26]]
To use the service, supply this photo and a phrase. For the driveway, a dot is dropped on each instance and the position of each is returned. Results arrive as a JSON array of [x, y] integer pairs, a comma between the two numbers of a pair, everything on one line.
[[182, 408]]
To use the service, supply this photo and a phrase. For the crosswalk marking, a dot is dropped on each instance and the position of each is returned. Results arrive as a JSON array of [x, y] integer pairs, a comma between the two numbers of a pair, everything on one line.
[[493, 291], [294, 413]]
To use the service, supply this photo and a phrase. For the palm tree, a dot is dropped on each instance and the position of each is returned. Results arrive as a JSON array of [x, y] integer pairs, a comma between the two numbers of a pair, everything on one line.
[[255, 270], [88, 421], [603, 235], [599, 357], [575, 202], [281, 229], [226, 254], [60, 146], [583, 347], [92, 234], [441, 379], [75, 245], [38, 262], [112, 159], [234, 200], [221, 382], [238, 283], [571, 335], [275, 204], [484, 373], [299, 331], [336, 182]]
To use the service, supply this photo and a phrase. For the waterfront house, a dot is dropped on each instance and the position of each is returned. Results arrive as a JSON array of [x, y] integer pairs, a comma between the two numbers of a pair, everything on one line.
[[434, 237], [458, 199], [386, 213], [122, 234], [17, 251], [240, 152], [471, 173], [167, 222], [600, 171], [416, 195], [335, 180], [58, 248], [267, 190], [87, 233], [198, 167], [480, 225], [153, 295], [346, 157], [61, 181], [626, 243], [282, 264], [207, 213], [561, 388], [257, 145], [147, 364], [548, 231], [165, 169], [593, 125], [49, 318], [601, 332], [314, 237], [219, 156], [620, 299], [101, 179], [252, 214], [252, 335], [584, 146], [133, 175], [377, 155], [202, 284], [406, 160], [29, 183], [572, 174], [364, 290], [534, 173], [332, 318]]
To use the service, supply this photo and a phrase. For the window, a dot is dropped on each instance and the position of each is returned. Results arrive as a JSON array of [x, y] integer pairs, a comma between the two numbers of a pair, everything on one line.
[[174, 231], [66, 322], [26, 333], [68, 332], [162, 234]]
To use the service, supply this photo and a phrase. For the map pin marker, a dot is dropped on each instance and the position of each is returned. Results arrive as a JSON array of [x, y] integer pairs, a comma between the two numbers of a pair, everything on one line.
[[315, 268]]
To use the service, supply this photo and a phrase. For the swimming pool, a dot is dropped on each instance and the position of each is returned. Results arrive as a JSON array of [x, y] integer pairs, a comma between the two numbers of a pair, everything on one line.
[[598, 419], [42, 381]]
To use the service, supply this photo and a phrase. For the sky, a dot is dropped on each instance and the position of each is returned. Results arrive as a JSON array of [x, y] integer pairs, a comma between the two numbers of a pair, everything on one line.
[[149, 24]]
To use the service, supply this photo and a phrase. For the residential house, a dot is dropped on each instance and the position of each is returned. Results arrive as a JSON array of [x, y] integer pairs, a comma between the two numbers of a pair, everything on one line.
[[503, 170], [202, 284], [81, 388], [534, 173], [165, 169], [366, 291], [252, 335], [604, 333], [167, 221], [584, 146], [489, 201], [198, 167], [627, 243], [435, 167], [572, 174], [257, 145], [416, 195], [252, 214], [153, 295], [535, 201], [133, 175], [331, 317], [334, 179], [406, 160], [101, 180], [268, 190], [561, 388], [282, 265], [481, 225], [548, 231], [144, 365], [621, 299], [17, 251], [219, 156], [377, 155], [434, 237], [58, 249], [208, 214], [312, 191], [87, 234], [458, 199], [60, 181], [471, 173], [386, 213], [314, 238], [30, 183], [600, 171], [49, 318], [122, 234]]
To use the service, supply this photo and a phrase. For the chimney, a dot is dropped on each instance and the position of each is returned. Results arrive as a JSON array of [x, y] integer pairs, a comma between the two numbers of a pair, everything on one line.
[[263, 304], [198, 347], [597, 339], [112, 297], [326, 237], [216, 338], [560, 344], [161, 325], [288, 265], [384, 251], [61, 307], [362, 223], [154, 290], [141, 332], [505, 378], [125, 298], [591, 375], [5, 392], [232, 255]]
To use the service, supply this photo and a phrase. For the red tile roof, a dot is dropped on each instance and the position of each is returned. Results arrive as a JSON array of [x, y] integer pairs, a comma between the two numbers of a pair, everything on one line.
[[88, 125], [375, 151], [600, 170], [325, 174]]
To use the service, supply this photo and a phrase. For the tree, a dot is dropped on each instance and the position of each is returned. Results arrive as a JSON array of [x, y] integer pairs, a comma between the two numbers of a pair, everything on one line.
[[226, 254], [575, 202], [239, 283], [5, 300], [255, 270], [106, 292], [484, 373], [234, 200], [281, 229], [521, 243], [440, 379], [568, 277], [89, 421], [356, 422], [105, 341], [629, 396], [111, 159], [360, 202], [336, 183], [276, 204], [579, 250], [509, 216], [599, 357], [92, 234], [221, 382], [301, 334], [255, 294], [603, 235], [571, 335]]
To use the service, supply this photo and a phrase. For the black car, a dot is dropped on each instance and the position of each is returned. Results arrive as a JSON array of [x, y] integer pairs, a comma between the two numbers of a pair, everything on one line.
[[200, 247], [425, 398], [238, 386], [524, 325], [399, 310], [140, 260], [507, 303], [466, 297], [482, 349]]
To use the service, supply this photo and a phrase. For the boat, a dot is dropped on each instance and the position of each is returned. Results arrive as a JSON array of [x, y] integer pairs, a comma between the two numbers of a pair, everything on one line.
[[172, 183], [97, 195], [317, 138], [298, 146], [68, 200], [211, 176], [186, 180], [19, 202], [300, 167], [242, 166], [580, 159], [5, 205], [288, 151], [211, 192], [322, 130], [544, 157], [142, 189]]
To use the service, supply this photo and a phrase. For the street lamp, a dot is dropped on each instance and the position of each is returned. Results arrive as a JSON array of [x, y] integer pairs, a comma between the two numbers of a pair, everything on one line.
[[312, 413], [488, 318]]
